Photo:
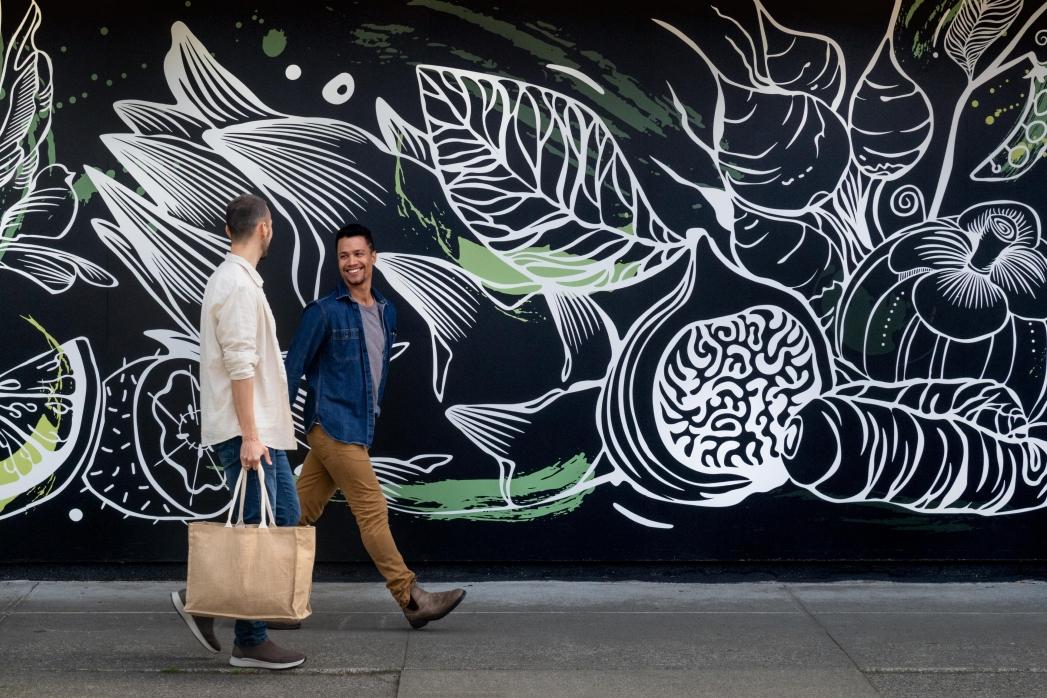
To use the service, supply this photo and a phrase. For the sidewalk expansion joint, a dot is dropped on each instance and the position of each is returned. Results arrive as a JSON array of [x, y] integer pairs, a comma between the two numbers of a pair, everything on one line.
[[12, 605], [814, 619], [956, 670], [301, 671]]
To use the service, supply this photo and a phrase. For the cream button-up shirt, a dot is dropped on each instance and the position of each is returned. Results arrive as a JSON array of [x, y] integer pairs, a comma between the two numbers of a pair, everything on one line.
[[237, 341]]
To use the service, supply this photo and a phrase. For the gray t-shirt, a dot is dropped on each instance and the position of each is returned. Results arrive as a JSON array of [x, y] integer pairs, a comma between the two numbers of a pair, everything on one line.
[[374, 335]]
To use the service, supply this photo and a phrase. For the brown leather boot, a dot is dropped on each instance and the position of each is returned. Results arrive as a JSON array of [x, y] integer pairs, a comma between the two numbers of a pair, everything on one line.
[[426, 606]]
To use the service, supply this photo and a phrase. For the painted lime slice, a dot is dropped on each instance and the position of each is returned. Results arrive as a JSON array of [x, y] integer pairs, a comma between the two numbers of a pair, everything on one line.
[[48, 408]]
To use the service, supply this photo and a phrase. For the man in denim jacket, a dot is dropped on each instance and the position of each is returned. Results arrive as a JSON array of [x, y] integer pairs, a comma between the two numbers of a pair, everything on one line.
[[342, 346]]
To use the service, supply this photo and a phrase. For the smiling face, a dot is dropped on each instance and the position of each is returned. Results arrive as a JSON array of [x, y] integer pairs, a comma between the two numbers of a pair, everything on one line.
[[355, 261]]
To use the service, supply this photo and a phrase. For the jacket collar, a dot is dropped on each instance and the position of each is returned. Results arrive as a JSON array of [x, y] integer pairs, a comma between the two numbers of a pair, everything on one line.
[[342, 291]]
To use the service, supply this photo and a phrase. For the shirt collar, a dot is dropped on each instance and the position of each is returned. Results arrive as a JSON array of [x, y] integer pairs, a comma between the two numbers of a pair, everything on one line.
[[342, 291], [238, 260]]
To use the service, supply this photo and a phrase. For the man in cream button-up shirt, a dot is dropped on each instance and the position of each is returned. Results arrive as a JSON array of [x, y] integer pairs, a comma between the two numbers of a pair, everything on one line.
[[245, 415], [238, 341]]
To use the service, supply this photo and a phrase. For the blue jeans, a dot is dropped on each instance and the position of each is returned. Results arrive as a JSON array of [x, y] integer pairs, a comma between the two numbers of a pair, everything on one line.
[[279, 482]]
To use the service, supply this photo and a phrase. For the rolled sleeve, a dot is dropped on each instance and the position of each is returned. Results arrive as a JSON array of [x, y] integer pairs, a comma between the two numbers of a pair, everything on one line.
[[237, 333]]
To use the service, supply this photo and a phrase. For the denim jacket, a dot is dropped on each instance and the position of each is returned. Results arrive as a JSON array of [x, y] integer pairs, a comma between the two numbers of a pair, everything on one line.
[[330, 349]]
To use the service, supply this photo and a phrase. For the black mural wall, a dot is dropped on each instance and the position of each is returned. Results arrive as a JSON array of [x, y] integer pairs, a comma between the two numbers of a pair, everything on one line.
[[676, 281]]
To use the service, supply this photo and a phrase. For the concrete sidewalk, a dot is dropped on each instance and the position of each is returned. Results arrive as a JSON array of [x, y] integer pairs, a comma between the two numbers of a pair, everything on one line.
[[550, 639]]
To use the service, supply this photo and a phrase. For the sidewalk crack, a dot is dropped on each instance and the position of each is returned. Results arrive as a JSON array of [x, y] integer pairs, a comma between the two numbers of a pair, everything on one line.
[[403, 663], [806, 611], [10, 607]]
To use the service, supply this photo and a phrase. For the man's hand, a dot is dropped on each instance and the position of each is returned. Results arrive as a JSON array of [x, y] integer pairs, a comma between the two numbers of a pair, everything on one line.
[[252, 451]]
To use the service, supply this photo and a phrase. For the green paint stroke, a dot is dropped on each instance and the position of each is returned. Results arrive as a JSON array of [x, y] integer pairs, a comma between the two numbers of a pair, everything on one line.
[[629, 104], [274, 43], [378, 35], [923, 36], [485, 63], [62, 362], [481, 500], [84, 188]]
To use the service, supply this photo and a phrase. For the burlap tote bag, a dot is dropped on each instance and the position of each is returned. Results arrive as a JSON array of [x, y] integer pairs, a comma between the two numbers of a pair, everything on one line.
[[251, 572]]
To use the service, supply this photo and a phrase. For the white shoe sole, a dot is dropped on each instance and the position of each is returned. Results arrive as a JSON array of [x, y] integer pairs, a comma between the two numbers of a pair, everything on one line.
[[248, 663], [191, 623]]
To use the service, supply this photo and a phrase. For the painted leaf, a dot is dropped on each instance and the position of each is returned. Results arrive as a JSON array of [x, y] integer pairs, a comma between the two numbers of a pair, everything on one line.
[[509, 433], [171, 259], [187, 180], [976, 25], [925, 446], [540, 181], [312, 169], [1026, 144], [402, 139], [890, 118], [152, 119], [802, 61], [447, 298], [203, 87], [32, 234], [26, 82]]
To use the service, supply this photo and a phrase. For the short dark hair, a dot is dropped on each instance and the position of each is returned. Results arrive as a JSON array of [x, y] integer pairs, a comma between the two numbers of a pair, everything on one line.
[[243, 214], [351, 231]]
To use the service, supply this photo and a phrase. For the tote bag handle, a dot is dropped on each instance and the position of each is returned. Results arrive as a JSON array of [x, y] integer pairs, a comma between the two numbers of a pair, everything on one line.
[[240, 498]]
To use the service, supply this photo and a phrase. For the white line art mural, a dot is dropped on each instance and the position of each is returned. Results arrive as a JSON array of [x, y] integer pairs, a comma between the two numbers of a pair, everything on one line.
[[50, 407], [50, 404], [855, 311]]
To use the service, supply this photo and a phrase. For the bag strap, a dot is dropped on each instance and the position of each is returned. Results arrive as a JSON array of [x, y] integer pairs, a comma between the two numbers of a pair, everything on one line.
[[266, 507], [239, 494], [266, 516]]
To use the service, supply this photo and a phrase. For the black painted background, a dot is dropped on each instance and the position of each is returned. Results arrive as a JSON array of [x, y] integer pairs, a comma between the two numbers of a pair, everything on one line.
[[787, 524]]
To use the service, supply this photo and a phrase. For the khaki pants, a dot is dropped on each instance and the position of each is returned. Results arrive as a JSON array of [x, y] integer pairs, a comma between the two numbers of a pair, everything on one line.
[[333, 465]]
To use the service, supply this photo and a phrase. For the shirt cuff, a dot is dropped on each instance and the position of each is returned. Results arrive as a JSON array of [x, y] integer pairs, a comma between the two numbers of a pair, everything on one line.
[[239, 364]]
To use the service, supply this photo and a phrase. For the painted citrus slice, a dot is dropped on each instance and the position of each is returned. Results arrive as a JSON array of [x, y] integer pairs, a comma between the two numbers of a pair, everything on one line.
[[49, 407], [156, 467]]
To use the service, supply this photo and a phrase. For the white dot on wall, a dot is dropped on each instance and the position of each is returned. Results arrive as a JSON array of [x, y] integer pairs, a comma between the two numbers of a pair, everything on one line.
[[293, 71], [75, 515], [339, 89]]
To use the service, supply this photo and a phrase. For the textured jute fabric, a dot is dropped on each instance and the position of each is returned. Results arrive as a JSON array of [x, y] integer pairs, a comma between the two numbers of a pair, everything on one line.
[[250, 572]]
